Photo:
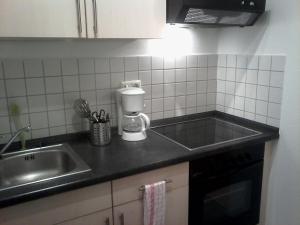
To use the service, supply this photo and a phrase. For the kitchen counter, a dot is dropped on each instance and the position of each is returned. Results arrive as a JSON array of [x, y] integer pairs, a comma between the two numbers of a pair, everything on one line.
[[121, 158]]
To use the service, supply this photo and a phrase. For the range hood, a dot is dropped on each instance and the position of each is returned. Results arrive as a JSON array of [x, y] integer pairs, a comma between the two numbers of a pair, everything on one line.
[[215, 12]]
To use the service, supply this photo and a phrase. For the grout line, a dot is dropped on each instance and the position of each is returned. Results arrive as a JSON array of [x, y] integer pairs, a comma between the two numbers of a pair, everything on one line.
[[44, 80], [63, 100], [6, 94]]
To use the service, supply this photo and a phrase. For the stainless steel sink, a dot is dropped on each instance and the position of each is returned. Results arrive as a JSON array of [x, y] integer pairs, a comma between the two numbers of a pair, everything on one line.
[[39, 164]]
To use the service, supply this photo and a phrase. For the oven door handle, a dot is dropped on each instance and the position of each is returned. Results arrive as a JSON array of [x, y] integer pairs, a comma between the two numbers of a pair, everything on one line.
[[201, 174]]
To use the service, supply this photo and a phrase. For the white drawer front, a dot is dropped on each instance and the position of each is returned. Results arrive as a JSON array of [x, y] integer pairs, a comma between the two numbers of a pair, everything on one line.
[[58, 208], [127, 189]]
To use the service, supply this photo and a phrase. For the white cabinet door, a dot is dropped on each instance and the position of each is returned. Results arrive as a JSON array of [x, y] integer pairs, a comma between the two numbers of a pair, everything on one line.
[[126, 18], [176, 210], [42, 18], [99, 218]]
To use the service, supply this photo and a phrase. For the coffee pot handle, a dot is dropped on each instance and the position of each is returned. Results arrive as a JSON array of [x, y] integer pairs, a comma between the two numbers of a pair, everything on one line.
[[146, 120]]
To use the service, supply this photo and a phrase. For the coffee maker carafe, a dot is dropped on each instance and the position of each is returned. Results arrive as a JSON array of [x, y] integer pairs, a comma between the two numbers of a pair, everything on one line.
[[132, 123]]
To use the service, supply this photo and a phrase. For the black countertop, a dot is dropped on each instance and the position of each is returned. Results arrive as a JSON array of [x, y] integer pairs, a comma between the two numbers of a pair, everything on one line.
[[121, 158]]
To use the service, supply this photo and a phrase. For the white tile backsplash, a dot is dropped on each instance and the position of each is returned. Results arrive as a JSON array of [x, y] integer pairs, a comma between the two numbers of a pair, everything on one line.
[[278, 63], [265, 62], [39, 120], [52, 67], [202, 61], [276, 79], [70, 83], [117, 64], [35, 86], [157, 76], [37, 103], [157, 63], [263, 78], [55, 101], [133, 75], [192, 61], [33, 68], [144, 63], [131, 63], [86, 66], [180, 62], [5, 126], [231, 61], [275, 95], [69, 67], [53, 85], [56, 118], [180, 89], [169, 76], [102, 65], [3, 107], [21, 102], [157, 91], [15, 87], [87, 82], [169, 62], [262, 91], [241, 61], [13, 68], [45, 89], [180, 75], [2, 89], [145, 77], [169, 90], [191, 74], [252, 62]]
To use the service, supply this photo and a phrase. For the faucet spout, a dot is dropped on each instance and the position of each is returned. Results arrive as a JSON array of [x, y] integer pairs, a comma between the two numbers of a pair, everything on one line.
[[24, 129]]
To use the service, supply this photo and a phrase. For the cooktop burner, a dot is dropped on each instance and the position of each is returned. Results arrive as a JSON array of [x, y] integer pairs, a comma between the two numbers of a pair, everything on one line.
[[202, 132]]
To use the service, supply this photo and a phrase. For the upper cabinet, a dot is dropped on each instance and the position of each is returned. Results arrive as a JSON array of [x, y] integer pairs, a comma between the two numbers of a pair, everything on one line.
[[125, 18], [82, 18], [42, 18]]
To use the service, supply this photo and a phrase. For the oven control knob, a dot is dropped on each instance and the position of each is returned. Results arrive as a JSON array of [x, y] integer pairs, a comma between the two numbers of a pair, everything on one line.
[[252, 4]]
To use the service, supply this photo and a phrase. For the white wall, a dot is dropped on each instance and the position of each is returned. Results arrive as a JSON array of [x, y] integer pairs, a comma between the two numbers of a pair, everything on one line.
[[176, 41], [278, 32]]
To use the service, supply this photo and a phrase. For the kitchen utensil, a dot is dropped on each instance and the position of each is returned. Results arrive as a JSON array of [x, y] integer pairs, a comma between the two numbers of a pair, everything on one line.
[[82, 108], [100, 116], [100, 133]]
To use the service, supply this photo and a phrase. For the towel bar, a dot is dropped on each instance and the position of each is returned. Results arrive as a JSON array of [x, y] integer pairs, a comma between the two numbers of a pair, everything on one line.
[[142, 188]]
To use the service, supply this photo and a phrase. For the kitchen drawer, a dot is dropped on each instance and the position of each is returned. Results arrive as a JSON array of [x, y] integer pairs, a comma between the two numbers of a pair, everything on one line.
[[127, 189], [98, 218], [176, 209], [60, 207]]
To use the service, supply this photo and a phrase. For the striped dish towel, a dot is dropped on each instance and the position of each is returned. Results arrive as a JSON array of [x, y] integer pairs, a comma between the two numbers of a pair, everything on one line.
[[155, 203]]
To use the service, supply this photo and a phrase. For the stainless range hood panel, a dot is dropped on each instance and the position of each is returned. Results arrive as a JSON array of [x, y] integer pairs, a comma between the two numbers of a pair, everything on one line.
[[217, 12]]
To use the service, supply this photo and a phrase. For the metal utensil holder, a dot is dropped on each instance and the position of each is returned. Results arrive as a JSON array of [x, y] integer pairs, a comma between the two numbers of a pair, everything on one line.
[[100, 133]]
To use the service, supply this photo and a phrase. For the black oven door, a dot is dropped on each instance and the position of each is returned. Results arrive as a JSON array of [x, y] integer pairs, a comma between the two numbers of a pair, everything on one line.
[[226, 197]]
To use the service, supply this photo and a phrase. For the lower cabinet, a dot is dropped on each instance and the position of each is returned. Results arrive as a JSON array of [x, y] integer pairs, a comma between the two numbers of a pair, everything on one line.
[[128, 198], [119, 202], [176, 210], [60, 208], [98, 218]]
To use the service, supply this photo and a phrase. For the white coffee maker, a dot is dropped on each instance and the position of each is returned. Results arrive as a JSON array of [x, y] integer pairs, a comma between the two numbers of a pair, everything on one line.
[[132, 124]]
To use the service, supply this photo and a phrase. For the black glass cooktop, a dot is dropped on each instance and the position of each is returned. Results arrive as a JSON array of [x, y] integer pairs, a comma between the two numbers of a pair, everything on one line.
[[197, 133]]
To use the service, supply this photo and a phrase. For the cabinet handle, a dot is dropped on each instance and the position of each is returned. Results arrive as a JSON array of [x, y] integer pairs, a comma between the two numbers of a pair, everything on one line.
[[107, 222], [95, 16], [122, 219], [79, 16]]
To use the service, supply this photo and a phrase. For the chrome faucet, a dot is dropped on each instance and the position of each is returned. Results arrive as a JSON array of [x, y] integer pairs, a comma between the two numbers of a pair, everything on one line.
[[19, 132]]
